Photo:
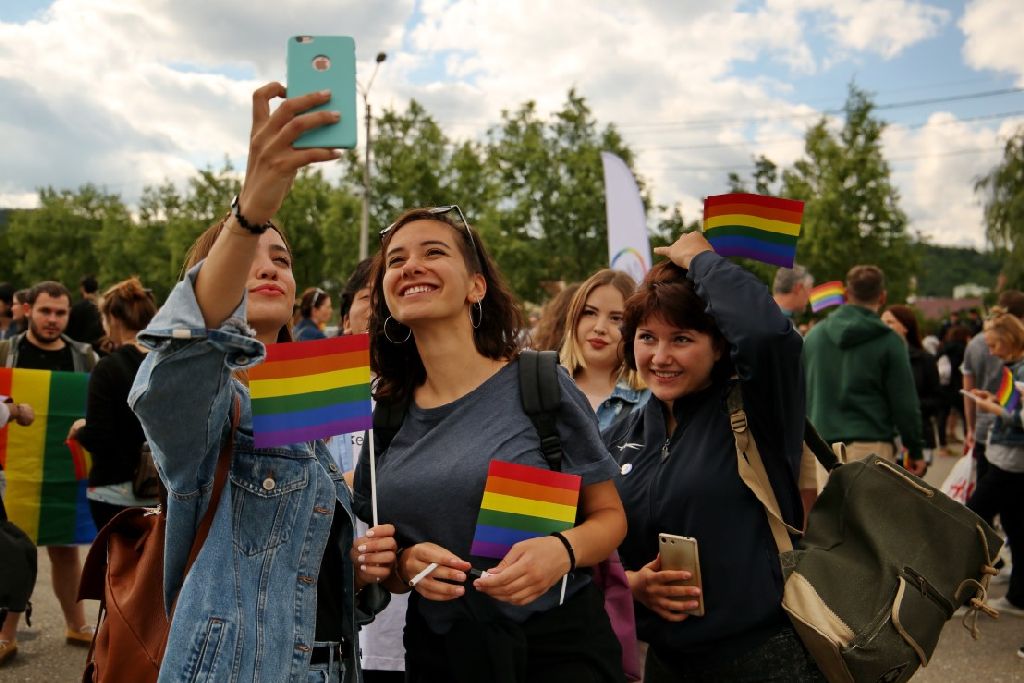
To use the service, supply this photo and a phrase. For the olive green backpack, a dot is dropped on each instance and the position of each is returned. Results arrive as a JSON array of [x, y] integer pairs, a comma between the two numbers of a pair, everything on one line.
[[884, 563]]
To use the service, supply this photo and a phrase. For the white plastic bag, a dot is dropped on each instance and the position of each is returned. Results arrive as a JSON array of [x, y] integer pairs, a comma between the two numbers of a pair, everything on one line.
[[960, 483]]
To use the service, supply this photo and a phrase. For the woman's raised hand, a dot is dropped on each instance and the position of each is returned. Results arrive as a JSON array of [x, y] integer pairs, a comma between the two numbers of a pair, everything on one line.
[[651, 587], [682, 251], [273, 162]]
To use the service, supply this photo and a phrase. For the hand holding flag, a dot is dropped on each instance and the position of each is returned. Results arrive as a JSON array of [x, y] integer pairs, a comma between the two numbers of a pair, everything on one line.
[[753, 226]]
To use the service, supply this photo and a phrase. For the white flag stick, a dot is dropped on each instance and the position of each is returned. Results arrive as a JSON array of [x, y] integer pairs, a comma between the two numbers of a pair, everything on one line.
[[373, 476]]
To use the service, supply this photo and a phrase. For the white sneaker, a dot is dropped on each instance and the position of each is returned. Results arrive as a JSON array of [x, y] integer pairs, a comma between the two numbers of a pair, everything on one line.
[[1006, 607]]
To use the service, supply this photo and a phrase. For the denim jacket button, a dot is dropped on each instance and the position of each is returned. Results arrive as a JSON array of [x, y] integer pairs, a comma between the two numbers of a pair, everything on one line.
[[334, 468], [269, 484], [241, 360]]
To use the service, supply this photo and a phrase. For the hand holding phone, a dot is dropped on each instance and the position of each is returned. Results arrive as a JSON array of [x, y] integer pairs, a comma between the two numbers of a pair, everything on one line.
[[679, 553], [325, 63]]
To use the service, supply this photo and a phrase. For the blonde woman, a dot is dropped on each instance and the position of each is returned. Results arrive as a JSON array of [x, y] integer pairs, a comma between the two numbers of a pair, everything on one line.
[[592, 348]]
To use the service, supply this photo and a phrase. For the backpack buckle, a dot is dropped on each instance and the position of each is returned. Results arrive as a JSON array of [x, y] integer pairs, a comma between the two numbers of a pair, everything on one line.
[[739, 421]]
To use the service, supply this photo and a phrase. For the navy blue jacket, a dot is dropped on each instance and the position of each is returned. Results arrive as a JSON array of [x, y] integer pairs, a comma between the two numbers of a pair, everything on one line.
[[688, 484]]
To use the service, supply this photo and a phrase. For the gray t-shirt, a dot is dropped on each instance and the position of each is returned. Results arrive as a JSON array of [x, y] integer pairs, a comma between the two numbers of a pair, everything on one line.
[[430, 481], [986, 371]]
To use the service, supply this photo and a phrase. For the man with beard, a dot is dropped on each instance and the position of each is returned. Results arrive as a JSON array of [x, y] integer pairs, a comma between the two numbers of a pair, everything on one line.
[[44, 346]]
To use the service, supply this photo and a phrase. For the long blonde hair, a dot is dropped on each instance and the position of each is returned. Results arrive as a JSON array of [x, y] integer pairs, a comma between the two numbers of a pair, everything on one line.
[[571, 353]]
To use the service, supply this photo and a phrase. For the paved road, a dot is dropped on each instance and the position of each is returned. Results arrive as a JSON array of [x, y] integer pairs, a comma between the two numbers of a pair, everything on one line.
[[43, 656]]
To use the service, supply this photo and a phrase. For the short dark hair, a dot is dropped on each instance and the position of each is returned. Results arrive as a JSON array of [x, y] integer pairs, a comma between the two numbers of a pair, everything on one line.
[[48, 287], [22, 295], [359, 279], [667, 293], [399, 367], [865, 284], [89, 284], [7, 293], [1013, 301]]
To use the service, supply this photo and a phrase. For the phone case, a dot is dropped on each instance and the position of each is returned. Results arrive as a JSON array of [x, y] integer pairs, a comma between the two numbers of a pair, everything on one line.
[[680, 553], [325, 63]]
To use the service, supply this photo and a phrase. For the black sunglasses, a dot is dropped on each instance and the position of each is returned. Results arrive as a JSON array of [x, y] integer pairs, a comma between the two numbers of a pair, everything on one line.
[[439, 211]]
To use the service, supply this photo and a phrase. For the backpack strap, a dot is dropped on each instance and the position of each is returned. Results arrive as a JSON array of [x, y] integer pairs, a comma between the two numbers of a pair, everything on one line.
[[219, 480], [387, 420], [541, 397], [753, 473]]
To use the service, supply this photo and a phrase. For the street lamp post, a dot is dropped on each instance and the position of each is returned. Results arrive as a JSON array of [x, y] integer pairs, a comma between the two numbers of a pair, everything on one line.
[[364, 225]]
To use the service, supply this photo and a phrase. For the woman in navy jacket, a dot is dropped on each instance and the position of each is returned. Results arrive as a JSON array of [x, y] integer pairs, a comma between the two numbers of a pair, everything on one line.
[[696, 325]]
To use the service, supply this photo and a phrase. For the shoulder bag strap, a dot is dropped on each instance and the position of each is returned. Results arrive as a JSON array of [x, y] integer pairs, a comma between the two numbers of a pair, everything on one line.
[[219, 479], [541, 396], [752, 471]]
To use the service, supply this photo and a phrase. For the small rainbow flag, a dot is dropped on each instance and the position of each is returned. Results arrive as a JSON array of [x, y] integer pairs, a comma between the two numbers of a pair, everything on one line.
[[522, 502], [754, 226], [826, 295], [311, 390], [46, 477], [1007, 394]]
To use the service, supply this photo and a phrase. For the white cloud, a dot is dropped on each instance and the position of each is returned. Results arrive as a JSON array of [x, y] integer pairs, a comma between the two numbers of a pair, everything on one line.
[[993, 36]]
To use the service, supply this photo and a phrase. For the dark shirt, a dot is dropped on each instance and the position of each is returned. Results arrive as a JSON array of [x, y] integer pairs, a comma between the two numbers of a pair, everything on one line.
[[112, 432], [32, 357], [84, 322], [330, 595]]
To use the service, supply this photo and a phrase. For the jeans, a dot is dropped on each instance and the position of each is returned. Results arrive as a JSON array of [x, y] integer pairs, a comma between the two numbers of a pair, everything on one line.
[[780, 659]]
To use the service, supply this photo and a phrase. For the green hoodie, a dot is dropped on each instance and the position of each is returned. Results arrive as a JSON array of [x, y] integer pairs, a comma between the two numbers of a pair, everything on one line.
[[859, 383]]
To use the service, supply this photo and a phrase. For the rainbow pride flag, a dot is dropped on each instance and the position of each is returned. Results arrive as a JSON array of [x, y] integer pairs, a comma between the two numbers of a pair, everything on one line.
[[754, 226], [311, 390], [1007, 394], [522, 502], [46, 478], [826, 295]]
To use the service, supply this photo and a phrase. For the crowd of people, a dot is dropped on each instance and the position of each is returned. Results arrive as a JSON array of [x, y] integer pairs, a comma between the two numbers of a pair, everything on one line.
[[296, 580]]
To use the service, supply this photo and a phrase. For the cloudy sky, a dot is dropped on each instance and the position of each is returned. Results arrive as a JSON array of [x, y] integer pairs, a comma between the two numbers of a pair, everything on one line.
[[125, 93]]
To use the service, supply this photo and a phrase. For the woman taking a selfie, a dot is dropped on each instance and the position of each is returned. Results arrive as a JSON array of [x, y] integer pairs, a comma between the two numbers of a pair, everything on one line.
[[696, 322], [445, 333], [273, 594], [592, 350]]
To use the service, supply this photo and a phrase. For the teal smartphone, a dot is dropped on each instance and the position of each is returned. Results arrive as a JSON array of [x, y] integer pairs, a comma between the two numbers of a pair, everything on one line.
[[325, 63]]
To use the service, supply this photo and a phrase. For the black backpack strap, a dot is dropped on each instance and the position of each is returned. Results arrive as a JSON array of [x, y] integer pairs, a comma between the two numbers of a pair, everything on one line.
[[821, 450], [387, 420], [541, 397]]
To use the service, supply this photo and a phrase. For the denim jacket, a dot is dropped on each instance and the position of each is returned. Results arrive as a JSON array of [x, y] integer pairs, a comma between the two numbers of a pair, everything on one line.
[[622, 402], [246, 611], [1008, 428]]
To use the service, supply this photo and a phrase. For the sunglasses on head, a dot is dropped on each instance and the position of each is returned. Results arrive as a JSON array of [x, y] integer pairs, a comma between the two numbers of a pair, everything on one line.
[[440, 211]]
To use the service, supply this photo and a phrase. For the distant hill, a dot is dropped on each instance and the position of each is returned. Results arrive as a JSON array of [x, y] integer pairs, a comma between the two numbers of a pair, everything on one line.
[[943, 268]]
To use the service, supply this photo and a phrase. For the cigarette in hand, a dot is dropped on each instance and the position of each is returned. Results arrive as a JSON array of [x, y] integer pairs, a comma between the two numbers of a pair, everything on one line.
[[423, 574]]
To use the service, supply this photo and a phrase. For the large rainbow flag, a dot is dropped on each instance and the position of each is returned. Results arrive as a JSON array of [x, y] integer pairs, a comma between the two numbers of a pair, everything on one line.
[[47, 477], [827, 294], [311, 390], [522, 502], [1007, 394], [754, 226]]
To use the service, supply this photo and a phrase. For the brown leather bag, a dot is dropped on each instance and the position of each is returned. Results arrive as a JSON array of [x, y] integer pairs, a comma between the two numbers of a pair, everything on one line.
[[124, 570]]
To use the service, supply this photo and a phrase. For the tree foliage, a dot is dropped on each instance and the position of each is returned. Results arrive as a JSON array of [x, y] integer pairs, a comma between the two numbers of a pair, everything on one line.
[[1002, 191]]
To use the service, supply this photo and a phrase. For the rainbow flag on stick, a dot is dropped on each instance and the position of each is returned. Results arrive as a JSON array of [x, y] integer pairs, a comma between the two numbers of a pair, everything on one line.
[[826, 295], [753, 226], [46, 478], [1007, 394], [522, 502], [311, 390]]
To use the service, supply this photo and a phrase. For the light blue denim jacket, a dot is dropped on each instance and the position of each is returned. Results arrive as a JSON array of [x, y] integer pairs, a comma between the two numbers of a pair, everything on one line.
[[623, 400], [247, 609]]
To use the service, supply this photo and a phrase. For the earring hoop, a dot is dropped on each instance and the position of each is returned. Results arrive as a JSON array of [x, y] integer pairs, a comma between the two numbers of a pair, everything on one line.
[[388, 336], [480, 314]]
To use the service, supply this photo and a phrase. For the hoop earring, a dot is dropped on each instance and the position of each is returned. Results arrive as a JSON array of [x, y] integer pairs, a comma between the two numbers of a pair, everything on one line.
[[388, 336], [479, 317]]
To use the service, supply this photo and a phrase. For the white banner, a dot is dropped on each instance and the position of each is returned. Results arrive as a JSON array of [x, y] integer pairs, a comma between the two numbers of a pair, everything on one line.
[[628, 247]]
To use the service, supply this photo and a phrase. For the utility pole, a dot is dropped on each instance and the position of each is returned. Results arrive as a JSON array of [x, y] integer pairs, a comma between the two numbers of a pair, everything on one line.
[[364, 226]]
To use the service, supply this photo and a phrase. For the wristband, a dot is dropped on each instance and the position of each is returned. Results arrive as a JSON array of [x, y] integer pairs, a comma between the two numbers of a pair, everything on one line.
[[236, 211], [568, 549]]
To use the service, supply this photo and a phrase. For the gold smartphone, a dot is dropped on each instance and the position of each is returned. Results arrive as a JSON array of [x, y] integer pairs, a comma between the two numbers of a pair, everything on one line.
[[679, 553]]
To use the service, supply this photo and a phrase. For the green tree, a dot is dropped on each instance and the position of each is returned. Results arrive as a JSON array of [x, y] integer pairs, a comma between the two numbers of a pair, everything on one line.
[[852, 213], [1002, 191]]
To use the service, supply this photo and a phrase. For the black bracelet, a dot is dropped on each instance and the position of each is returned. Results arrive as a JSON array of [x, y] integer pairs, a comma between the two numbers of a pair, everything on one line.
[[568, 549], [236, 211]]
